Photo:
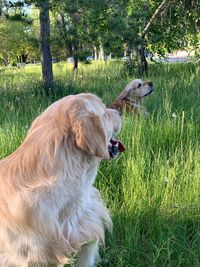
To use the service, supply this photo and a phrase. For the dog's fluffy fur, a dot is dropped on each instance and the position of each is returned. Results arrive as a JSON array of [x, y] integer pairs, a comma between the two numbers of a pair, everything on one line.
[[131, 98], [49, 208]]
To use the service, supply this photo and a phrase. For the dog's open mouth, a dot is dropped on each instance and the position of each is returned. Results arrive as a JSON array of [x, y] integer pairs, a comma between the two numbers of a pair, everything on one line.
[[149, 93], [115, 147]]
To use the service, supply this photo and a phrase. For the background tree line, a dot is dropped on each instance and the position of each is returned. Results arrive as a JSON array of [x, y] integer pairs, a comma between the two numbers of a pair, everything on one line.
[[32, 31]]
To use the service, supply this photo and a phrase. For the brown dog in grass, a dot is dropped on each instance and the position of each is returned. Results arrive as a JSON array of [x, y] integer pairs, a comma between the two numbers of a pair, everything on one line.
[[131, 98]]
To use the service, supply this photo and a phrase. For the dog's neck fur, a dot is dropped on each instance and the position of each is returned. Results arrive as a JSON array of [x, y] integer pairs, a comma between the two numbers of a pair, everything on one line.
[[132, 101]]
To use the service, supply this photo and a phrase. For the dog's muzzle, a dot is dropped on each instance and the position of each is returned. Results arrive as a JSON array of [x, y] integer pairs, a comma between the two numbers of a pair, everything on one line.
[[149, 93], [115, 147]]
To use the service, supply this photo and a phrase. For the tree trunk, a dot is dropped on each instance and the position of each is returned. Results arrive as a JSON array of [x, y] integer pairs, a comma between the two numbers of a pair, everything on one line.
[[45, 51], [96, 53], [102, 55], [75, 56], [142, 62], [70, 50], [24, 57], [18, 59], [93, 52], [75, 68], [1, 7], [128, 57]]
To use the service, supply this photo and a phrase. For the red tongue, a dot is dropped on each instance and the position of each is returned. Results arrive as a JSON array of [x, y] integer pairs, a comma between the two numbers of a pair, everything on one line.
[[120, 145]]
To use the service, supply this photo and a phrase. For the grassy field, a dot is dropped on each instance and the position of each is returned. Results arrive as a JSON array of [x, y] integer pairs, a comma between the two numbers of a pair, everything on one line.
[[152, 190]]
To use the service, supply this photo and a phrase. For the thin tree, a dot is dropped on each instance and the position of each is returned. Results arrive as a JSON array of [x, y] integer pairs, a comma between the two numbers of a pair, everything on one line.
[[45, 50], [1, 7]]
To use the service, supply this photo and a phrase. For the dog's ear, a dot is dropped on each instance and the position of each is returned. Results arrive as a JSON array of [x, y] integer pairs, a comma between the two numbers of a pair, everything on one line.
[[131, 86], [90, 136], [125, 93]]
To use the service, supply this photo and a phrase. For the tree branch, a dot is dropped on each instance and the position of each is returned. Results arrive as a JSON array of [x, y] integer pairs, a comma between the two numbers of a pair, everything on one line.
[[153, 18]]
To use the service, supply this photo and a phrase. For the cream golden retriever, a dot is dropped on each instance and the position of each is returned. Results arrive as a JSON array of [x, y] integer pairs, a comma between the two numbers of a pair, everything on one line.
[[131, 98], [49, 207]]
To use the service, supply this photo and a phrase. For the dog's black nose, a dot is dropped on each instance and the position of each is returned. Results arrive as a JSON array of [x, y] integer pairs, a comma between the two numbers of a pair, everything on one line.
[[150, 83]]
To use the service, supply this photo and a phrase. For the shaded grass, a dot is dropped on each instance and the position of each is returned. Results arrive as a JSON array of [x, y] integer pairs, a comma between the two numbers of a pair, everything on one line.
[[152, 190]]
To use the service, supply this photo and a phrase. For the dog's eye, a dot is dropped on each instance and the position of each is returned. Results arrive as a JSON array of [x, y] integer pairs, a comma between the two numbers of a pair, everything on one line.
[[139, 85]]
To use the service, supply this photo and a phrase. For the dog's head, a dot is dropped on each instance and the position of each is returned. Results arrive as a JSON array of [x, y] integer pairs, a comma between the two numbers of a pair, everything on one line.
[[85, 121], [136, 89], [96, 127]]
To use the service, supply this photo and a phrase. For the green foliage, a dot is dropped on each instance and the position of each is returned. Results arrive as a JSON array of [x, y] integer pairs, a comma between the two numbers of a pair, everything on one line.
[[116, 26], [14, 45], [177, 27], [17, 36]]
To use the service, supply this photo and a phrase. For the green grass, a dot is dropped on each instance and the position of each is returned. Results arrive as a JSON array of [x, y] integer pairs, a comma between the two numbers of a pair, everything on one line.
[[152, 190]]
